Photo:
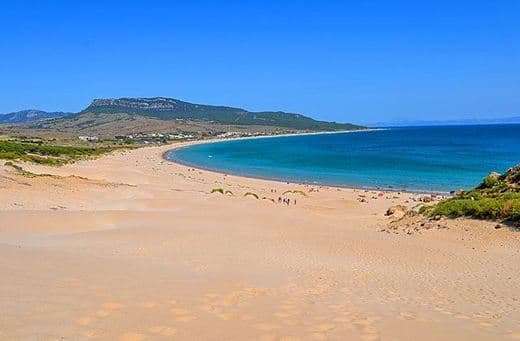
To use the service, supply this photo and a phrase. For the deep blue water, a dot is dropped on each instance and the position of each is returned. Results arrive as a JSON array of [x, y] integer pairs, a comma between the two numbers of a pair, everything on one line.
[[412, 158]]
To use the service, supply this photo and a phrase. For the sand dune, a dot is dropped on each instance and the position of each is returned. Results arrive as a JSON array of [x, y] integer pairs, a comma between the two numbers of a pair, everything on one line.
[[133, 247]]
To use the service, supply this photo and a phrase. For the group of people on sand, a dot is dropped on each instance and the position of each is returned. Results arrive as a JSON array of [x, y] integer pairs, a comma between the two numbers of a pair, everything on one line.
[[286, 201]]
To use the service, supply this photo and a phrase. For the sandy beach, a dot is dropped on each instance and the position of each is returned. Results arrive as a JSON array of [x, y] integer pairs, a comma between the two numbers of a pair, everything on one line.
[[133, 247]]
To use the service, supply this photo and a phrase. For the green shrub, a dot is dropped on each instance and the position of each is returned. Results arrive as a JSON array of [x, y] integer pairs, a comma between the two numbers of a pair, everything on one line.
[[489, 181], [46, 154], [484, 208], [8, 155], [514, 214], [497, 197], [512, 209], [425, 209]]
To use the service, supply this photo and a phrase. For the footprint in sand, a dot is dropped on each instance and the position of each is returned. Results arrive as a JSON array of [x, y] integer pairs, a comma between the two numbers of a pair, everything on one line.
[[179, 311], [370, 337], [224, 303], [406, 316], [131, 337], [89, 333], [341, 319], [290, 338], [246, 318], [102, 313], [84, 321], [442, 311], [265, 326], [226, 316], [367, 331], [182, 315], [112, 305], [150, 304], [337, 306], [163, 330], [207, 307], [287, 306], [282, 314], [290, 322], [362, 322], [515, 336], [187, 318], [323, 327]]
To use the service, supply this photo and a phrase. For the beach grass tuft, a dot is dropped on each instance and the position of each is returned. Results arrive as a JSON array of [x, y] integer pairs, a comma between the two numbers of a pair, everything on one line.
[[20, 171]]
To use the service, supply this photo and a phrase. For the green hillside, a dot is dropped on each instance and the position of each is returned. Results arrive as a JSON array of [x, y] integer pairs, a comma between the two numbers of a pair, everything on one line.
[[172, 109]]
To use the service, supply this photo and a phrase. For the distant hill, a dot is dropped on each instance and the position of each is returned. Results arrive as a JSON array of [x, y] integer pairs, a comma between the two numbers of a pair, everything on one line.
[[173, 109], [29, 115], [108, 118], [483, 121]]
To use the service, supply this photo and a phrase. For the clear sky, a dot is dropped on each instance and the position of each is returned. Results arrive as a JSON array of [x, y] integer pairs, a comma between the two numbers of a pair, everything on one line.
[[359, 61]]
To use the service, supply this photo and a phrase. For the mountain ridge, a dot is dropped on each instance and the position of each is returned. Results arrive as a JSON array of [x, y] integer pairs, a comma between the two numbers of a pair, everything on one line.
[[173, 109], [30, 115]]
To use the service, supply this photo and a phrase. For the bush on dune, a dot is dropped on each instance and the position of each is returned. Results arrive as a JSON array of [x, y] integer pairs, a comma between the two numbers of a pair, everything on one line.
[[496, 198], [46, 154]]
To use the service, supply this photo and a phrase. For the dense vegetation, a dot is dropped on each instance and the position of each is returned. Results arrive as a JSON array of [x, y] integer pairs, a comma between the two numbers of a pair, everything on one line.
[[498, 197], [46, 154], [171, 109]]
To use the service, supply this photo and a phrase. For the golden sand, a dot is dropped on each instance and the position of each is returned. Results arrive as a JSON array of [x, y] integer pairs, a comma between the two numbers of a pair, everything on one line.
[[133, 247]]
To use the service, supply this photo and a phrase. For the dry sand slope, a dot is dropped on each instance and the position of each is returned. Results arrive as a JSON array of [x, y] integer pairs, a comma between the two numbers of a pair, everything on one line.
[[133, 247]]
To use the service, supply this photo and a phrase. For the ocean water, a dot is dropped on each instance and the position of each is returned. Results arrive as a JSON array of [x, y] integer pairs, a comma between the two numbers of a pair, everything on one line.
[[438, 159]]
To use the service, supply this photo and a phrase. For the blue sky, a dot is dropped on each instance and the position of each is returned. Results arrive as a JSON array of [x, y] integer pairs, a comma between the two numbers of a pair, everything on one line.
[[359, 61]]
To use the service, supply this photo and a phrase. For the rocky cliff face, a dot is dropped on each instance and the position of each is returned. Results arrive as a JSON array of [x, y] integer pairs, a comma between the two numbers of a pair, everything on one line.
[[156, 103], [512, 176]]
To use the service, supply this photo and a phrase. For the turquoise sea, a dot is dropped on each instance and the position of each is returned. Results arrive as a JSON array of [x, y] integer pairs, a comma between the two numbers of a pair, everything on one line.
[[438, 159]]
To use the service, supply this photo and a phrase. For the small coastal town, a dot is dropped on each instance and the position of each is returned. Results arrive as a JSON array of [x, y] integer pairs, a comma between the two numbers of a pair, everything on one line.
[[160, 138]]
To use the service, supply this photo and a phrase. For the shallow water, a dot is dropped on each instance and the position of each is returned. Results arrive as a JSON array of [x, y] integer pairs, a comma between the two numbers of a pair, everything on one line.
[[412, 158]]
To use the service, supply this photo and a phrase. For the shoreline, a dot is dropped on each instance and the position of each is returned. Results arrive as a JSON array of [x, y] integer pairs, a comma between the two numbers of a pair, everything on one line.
[[130, 246], [275, 179]]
